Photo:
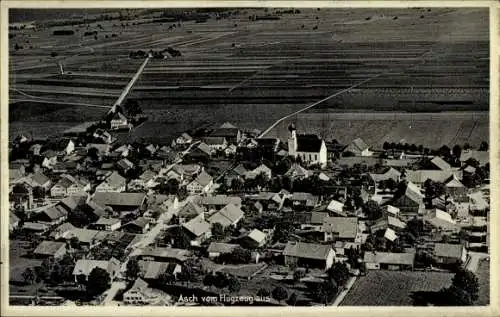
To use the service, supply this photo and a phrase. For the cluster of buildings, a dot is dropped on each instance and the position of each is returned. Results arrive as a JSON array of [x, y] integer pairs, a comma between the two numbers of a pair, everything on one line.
[[163, 205]]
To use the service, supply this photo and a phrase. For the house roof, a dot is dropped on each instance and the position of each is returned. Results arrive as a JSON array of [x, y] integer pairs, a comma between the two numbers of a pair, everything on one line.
[[140, 222], [115, 180], [13, 218], [307, 250], [197, 226], [39, 178], [147, 175], [318, 217], [118, 116], [86, 266], [152, 269], [335, 206], [482, 157], [225, 132], [35, 226], [395, 222], [204, 148], [440, 163], [15, 174], [256, 171], [308, 143], [421, 176], [53, 212], [203, 178], [391, 209], [220, 200], [227, 125], [448, 250], [257, 235], [83, 235], [68, 180], [186, 136], [214, 140], [107, 221], [169, 253], [119, 199], [391, 173], [125, 164], [413, 193], [65, 227], [441, 219], [453, 182], [227, 215], [389, 258], [49, 247], [219, 247], [470, 169], [298, 171], [358, 144], [346, 227], [240, 170], [390, 234], [190, 209]]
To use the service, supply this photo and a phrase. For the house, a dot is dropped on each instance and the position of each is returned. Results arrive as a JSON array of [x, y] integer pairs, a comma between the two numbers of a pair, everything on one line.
[[298, 172], [215, 143], [359, 148], [389, 261], [173, 255], [16, 173], [141, 294], [85, 267], [312, 220], [310, 148], [441, 221], [61, 231], [229, 132], [70, 186], [216, 249], [445, 253], [50, 215], [336, 207], [201, 184], [119, 121], [102, 149], [261, 169], [189, 211], [113, 183], [388, 222], [229, 216], [483, 157], [255, 239], [420, 176], [152, 270], [120, 202], [219, 201], [454, 187], [13, 221], [145, 180], [125, 165], [391, 210], [50, 249], [139, 225], [440, 164], [184, 139], [151, 149], [410, 203], [304, 199], [202, 152], [123, 150], [390, 235], [340, 228], [196, 230], [107, 224], [309, 255], [231, 150], [390, 173], [86, 237], [38, 180], [36, 227], [342, 246]]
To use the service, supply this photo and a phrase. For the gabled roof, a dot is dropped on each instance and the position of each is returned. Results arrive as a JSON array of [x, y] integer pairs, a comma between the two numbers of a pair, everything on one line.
[[318, 217], [118, 116], [53, 212], [346, 227], [256, 171], [391, 173], [298, 171], [391, 209], [68, 180], [13, 218], [240, 170], [152, 269], [440, 163], [257, 236], [395, 222], [168, 253], [140, 222], [15, 174], [421, 176], [107, 221], [227, 125], [197, 226], [190, 209], [186, 136], [453, 182], [204, 148], [358, 144], [308, 143], [147, 175], [448, 250], [86, 266], [213, 140], [470, 169], [389, 258], [115, 180], [220, 200], [83, 235], [307, 250], [49, 247], [482, 157], [390, 234], [203, 178], [125, 164], [65, 227], [219, 247], [39, 179], [335, 206], [119, 199], [227, 215]]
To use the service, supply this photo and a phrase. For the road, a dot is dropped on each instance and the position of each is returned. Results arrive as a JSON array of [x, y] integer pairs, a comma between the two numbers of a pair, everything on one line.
[[129, 86], [111, 292], [473, 260], [342, 294], [59, 102], [317, 103]]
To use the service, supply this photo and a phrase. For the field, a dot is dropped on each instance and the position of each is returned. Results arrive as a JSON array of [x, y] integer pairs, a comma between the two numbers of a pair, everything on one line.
[[18, 262], [483, 274], [253, 72], [428, 129], [392, 288]]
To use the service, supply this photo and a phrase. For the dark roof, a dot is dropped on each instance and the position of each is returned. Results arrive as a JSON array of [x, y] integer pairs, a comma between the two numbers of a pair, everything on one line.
[[48, 247], [214, 140], [121, 199], [225, 132], [308, 143]]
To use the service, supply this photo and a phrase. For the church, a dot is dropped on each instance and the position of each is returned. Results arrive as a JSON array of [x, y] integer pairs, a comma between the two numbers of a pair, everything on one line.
[[309, 147]]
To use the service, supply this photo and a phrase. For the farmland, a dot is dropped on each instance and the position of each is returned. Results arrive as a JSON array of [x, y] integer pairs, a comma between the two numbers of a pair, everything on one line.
[[392, 288], [253, 72]]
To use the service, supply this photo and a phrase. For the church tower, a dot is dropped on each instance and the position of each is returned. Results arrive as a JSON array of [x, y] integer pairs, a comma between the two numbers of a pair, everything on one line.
[[292, 141]]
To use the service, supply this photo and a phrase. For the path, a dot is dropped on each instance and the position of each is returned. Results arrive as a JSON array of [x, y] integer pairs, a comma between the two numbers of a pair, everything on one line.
[[111, 292], [342, 294], [59, 102], [129, 86], [473, 260], [317, 103]]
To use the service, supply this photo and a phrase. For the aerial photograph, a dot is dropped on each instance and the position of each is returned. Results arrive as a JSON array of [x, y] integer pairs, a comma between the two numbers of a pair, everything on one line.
[[249, 156]]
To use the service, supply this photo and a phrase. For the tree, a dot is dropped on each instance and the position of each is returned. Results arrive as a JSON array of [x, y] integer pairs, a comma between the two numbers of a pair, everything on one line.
[[209, 280], [218, 231], [43, 271], [455, 296], [238, 256], [234, 284], [81, 279], [261, 180], [98, 281], [339, 273], [39, 192], [457, 151], [263, 292], [466, 280], [29, 275], [220, 280], [74, 242], [372, 210], [93, 153], [166, 279], [292, 300], [326, 291], [133, 268], [56, 275], [237, 185], [483, 146], [279, 293], [182, 193]]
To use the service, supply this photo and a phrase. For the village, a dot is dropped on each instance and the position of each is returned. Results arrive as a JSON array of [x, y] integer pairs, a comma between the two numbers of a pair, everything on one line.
[[223, 216]]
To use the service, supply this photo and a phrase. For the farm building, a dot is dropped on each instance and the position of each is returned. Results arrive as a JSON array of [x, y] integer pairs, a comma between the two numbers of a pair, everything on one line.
[[229, 216], [70, 186], [152, 270], [309, 255], [119, 121], [359, 148], [120, 202], [445, 253], [141, 294], [215, 249], [51, 215], [139, 225], [173, 255], [107, 224], [215, 143], [441, 221], [340, 228], [201, 184], [410, 203], [50, 249], [391, 261], [188, 212], [196, 230], [255, 239], [310, 148], [113, 183], [85, 267], [219, 201], [229, 132]]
